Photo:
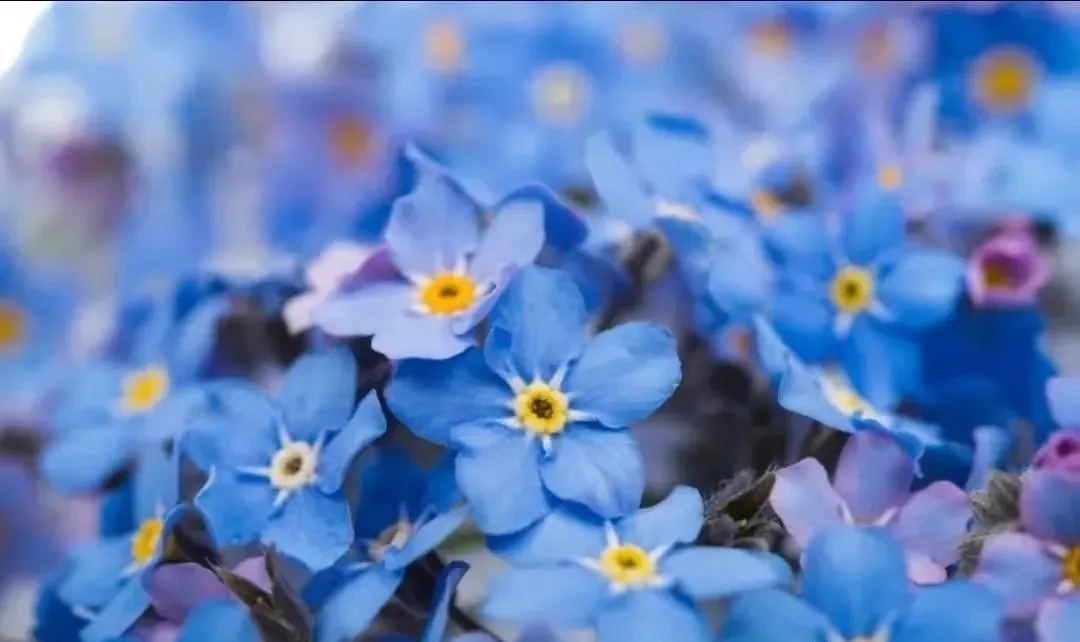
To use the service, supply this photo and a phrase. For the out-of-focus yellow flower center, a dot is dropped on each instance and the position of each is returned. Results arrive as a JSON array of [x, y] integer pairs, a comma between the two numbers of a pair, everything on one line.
[[642, 42], [996, 276], [350, 140], [144, 389], [628, 565], [890, 178], [144, 542], [852, 289], [1004, 80], [448, 293], [13, 326], [771, 38], [561, 94], [444, 46], [766, 206], [541, 409], [1072, 567]]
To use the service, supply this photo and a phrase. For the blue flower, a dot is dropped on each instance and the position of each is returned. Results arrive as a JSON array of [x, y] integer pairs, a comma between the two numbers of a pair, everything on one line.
[[28, 547], [855, 587], [450, 275], [109, 576], [277, 465], [402, 515], [632, 580], [541, 413], [221, 619], [108, 410]]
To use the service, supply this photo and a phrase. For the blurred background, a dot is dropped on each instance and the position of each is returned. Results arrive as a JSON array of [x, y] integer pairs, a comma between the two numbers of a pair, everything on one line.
[[142, 142]]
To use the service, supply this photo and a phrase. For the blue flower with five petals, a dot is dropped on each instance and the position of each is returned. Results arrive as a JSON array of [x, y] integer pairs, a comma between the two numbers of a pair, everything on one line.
[[277, 465], [540, 413]]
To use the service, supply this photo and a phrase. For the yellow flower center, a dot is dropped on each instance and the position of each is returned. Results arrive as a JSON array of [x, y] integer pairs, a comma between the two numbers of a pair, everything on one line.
[[642, 42], [771, 38], [13, 326], [448, 293], [1071, 568], [1004, 80], [996, 276], [394, 536], [852, 289], [444, 46], [293, 466], [890, 178], [628, 565], [350, 140], [144, 542], [541, 409], [766, 206], [561, 94], [144, 389]]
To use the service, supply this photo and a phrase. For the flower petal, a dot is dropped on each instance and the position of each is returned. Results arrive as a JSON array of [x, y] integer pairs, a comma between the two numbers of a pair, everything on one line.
[[922, 288], [427, 537], [537, 326], [239, 427], [1059, 620], [563, 229], [318, 393], [805, 322], [433, 227], [675, 520], [1017, 567], [502, 484], [771, 615], [647, 616], [619, 187], [433, 398], [567, 595], [1050, 505], [568, 532], [957, 611], [97, 569], [177, 589], [873, 475], [367, 424], [874, 229], [624, 374], [196, 337], [857, 578], [514, 237], [236, 510], [707, 572], [312, 527], [1063, 393], [934, 521], [350, 610], [804, 501], [435, 631], [219, 620], [801, 392], [599, 469], [118, 615], [365, 310], [415, 335], [81, 460]]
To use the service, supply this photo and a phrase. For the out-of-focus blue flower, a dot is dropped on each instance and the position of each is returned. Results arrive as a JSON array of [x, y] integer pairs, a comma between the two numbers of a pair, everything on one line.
[[107, 410], [222, 619], [854, 586], [109, 576], [54, 619], [632, 579], [402, 515], [29, 548], [277, 465], [872, 485], [1007, 269], [450, 275], [547, 410]]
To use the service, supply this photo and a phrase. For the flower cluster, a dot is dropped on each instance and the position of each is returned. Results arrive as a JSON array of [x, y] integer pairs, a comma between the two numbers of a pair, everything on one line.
[[693, 322]]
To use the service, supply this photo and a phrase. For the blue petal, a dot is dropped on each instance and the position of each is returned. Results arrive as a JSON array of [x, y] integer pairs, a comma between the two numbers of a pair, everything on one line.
[[675, 520], [318, 393], [772, 353], [542, 318], [171, 418], [563, 229], [874, 230], [957, 611], [432, 228], [351, 609], [97, 569], [312, 527], [619, 187], [771, 615], [427, 537], [503, 486], [389, 480], [599, 469], [236, 510], [444, 597], [1063, 393], [647, 616], [1058, 621], [856, 576], [706, 572], [804, 501], [1018, 568], [1048, 505], [873, 475], [218, 620], [567, 596], [624, 374], [239, 429], [196, 338], [118, 615], [992, 446], [81, 460], [414, 335], [806, 324], [88, 397], [922, 288], [800, 392], [568, 532], [433, 398], [157, 482], [514, 237], [367, 424], [366, 310], [739, 279], [883, 365]]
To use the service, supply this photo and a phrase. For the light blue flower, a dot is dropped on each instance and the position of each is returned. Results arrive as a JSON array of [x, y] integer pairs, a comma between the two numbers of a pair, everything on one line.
[[855, 587], [221, 619], [277, 465], [632, 580], [540, 412]]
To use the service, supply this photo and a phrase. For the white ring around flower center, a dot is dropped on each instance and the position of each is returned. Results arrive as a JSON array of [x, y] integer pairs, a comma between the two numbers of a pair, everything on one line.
[[293, 466]]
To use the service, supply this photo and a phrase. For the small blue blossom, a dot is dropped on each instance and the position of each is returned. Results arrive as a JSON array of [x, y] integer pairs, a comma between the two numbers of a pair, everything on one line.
[[221, 619], [277, 465], [631, 580], [540, 413]]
